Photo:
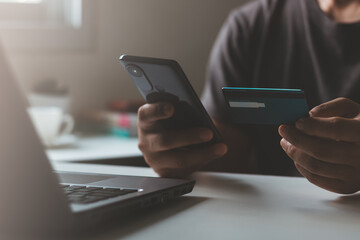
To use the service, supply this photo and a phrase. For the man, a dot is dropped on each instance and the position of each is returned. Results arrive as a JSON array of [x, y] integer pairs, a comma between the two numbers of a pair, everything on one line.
[[308, 44]]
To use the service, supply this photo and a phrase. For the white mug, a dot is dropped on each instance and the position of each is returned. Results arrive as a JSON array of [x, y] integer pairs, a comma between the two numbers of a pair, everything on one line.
[[50, 123]]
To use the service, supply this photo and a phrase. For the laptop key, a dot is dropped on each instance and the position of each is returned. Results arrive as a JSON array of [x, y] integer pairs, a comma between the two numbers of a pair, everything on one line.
[[93, 199], [91, 194], [78, 194], [105, 192], [99, 194], [75, 187], [85, 190], [94, 188], [89, 200], [110, 190]]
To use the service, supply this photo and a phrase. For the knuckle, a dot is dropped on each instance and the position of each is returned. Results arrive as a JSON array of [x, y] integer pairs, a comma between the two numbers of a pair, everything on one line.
[[295, 140], [314, 166], [336, 125], [322, 108], [309, 124], [149, 162], [143, 146], [291, 151], [163, 141], [141, 126], [152, 145], [159, 109], [160, 142], [320, 153], [336, 122], [141, 113], [149, 111]]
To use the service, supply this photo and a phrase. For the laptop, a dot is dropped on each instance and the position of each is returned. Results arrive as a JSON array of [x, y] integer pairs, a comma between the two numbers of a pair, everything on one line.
[[36, 200]]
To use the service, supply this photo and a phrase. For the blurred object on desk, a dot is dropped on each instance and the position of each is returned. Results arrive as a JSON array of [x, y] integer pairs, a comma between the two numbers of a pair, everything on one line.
[[51, 124], [119, 119], [50, 103]]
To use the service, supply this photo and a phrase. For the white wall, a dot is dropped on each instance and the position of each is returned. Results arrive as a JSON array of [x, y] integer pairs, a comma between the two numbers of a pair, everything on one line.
[[180, 29]]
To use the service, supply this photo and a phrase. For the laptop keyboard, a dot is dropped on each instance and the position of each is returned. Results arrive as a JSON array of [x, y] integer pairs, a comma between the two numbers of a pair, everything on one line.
[[89, 194]]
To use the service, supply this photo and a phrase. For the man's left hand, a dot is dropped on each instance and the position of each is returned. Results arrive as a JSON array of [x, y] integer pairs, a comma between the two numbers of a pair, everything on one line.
[[325, 147]]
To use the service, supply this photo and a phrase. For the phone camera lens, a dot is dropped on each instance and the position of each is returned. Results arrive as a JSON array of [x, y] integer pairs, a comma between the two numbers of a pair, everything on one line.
[[135, 71]]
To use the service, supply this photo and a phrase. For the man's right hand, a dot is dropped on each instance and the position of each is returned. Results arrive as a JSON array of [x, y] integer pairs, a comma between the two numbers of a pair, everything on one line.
[[166, 150]]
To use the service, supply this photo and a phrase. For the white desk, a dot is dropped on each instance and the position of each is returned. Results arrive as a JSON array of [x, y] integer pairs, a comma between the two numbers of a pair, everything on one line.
[[96, 148], [235, 206]]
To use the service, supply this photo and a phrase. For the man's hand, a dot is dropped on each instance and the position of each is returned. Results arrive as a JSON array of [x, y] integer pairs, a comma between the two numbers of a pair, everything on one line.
[[325, 147], [166, 150]]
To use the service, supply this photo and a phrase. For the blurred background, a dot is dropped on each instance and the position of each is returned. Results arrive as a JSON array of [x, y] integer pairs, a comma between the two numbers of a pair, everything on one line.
[[68, 50]]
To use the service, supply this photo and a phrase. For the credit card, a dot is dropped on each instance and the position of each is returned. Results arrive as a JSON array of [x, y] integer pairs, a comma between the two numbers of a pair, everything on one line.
[[266, 106]]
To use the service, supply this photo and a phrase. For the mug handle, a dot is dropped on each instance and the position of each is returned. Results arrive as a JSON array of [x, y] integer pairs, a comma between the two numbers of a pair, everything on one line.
[[68, 125]]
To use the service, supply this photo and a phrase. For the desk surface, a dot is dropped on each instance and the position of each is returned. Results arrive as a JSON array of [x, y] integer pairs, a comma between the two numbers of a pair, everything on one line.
[[236, 206]]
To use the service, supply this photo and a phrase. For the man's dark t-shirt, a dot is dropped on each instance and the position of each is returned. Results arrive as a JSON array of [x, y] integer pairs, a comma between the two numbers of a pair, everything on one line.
[[283, 44]]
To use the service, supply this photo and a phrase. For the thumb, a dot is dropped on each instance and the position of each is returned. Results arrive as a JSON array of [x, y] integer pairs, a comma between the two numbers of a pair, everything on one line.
[[339, 107]]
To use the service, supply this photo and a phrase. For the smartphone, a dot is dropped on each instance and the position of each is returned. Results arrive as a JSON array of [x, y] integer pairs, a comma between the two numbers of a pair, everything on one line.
[[163, 80], [265, 106]]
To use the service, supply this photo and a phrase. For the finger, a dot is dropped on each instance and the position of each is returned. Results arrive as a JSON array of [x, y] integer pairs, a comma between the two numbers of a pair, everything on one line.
[[171, 139], [330, 184], [315, 166], [322, 149], [339, 107], [187, 159], [149, 114], [335, 128]]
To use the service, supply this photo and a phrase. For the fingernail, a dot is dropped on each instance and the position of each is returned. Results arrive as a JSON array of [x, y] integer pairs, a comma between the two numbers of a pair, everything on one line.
[[314, 111], [300, 124], [206, 135], [283, 130], [220, 150], [167, 109]]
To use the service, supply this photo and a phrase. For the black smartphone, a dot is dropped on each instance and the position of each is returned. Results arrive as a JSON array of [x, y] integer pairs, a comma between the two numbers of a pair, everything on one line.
[[164, 80]]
